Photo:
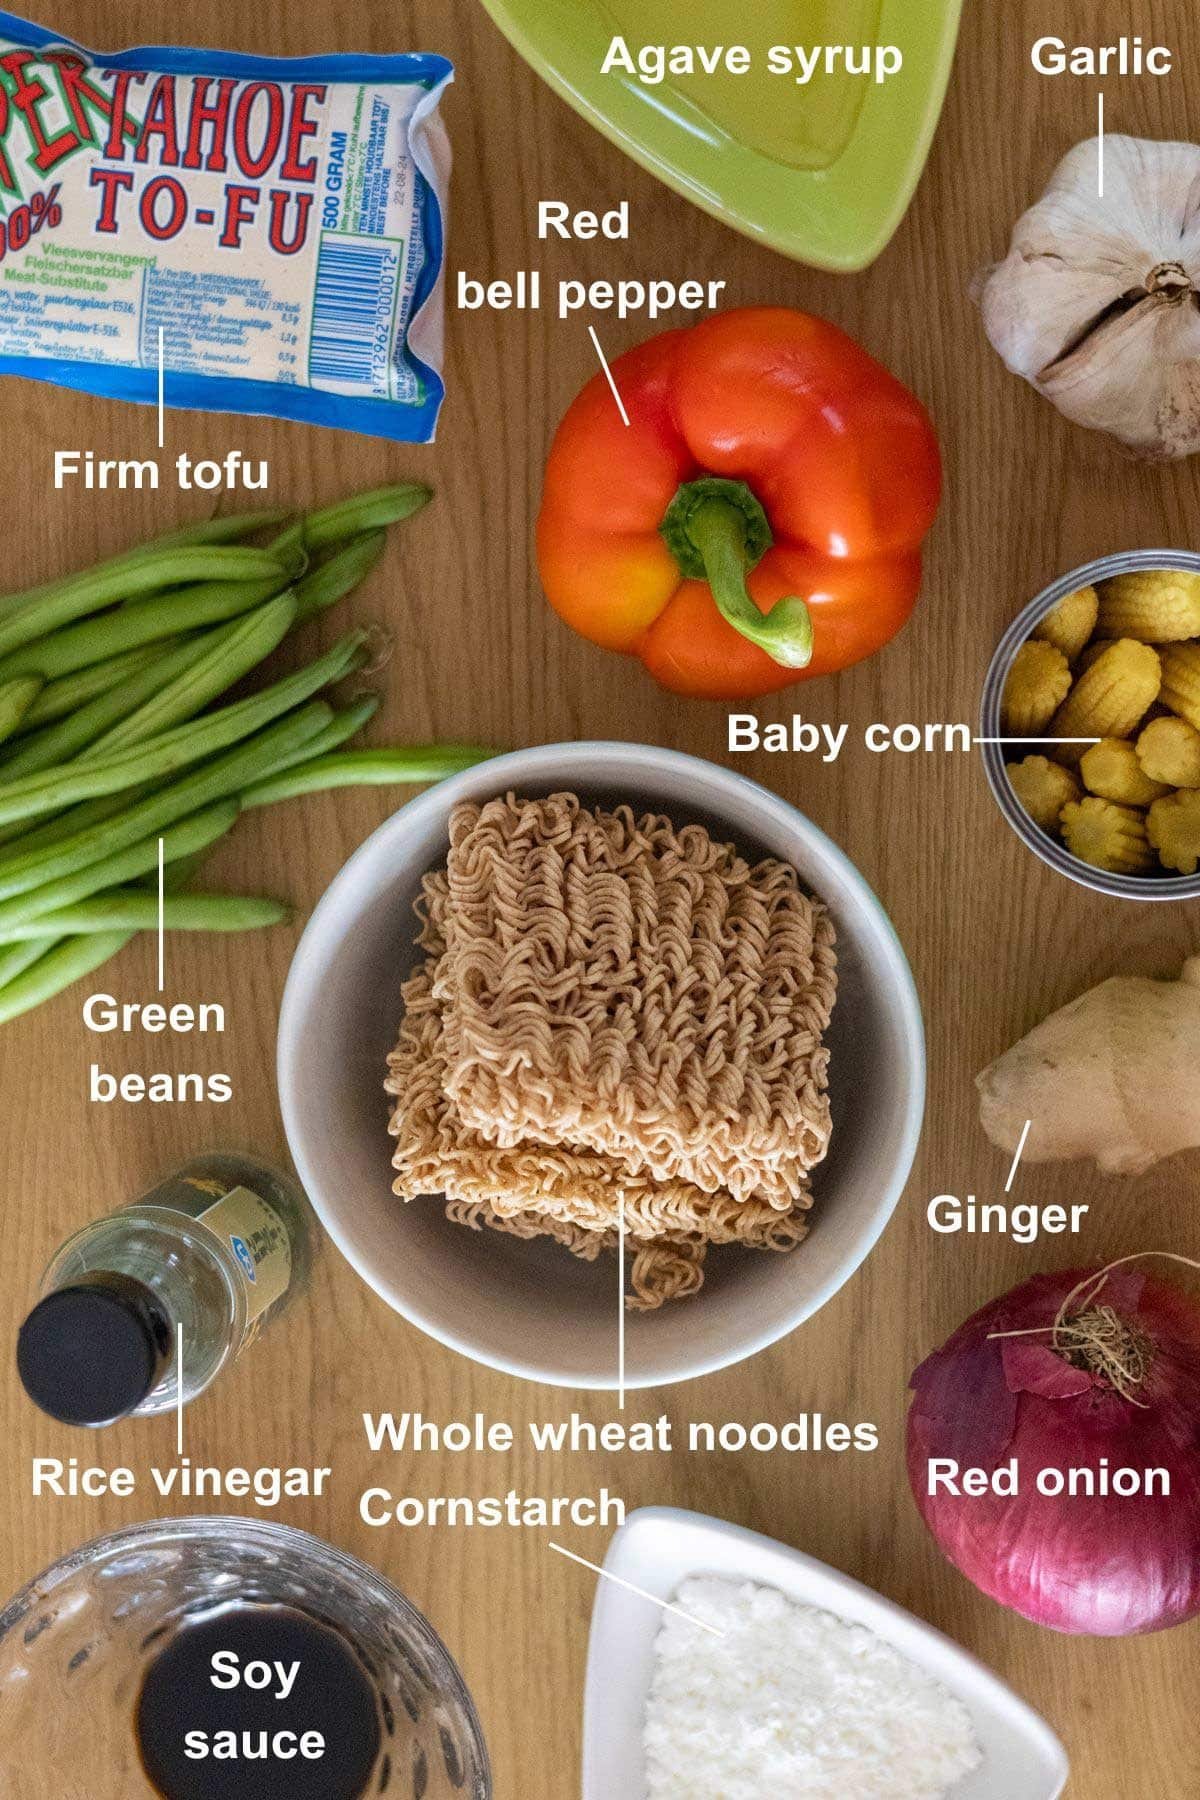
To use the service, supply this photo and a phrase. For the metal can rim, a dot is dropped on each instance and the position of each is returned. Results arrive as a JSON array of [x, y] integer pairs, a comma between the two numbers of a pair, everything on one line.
[[1055, 855]]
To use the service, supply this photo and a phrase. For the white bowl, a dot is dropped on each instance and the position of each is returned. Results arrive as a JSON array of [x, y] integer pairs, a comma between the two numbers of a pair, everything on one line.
[[660, 1547], [530, 1308]]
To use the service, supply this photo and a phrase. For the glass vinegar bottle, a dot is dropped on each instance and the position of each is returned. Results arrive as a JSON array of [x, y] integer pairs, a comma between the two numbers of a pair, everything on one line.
[[206, 1260]]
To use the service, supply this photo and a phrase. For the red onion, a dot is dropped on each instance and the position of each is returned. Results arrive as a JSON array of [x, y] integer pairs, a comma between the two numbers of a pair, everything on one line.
[[1095, 1371]]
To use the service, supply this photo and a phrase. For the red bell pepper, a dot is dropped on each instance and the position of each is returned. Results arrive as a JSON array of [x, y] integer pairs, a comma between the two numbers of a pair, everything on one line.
[[760, 519]]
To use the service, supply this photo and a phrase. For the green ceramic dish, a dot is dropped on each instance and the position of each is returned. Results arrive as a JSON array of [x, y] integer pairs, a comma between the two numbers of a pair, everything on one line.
[[833, 202]]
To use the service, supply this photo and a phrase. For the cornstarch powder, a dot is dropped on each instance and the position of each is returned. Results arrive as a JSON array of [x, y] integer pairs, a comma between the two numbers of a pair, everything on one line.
[[793, 1701]]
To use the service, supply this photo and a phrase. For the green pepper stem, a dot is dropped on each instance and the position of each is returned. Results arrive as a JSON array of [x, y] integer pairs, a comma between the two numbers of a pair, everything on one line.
[[718, 531]]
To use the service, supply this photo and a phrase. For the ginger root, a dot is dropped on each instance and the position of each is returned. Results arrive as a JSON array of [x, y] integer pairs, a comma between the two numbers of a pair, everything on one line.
[[1114, 1075]]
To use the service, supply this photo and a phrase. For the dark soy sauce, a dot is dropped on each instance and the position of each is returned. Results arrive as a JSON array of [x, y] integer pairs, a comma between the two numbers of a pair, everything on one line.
[[332, 1695]]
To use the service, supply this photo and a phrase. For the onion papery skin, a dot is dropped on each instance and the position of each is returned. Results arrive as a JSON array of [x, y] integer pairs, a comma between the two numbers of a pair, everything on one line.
[[1095, 1565]]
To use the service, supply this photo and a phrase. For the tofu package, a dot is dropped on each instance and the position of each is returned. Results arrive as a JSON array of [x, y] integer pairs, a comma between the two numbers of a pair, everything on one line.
[[272, 229]]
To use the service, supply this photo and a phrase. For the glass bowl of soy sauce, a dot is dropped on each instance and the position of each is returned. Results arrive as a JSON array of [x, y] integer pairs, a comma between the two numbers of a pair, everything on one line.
[[228, 1659]]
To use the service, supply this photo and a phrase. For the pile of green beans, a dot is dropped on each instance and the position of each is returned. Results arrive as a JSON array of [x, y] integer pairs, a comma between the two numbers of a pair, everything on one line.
[[119, 742]]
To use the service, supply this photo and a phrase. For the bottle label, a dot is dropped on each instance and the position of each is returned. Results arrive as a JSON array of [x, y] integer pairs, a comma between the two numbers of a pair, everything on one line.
[[261, 1248]]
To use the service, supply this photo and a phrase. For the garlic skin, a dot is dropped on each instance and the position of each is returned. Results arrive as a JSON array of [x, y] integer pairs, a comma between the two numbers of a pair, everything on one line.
[[1097, 302]]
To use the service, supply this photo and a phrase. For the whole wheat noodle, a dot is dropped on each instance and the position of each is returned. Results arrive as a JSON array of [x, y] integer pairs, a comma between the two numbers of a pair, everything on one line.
[[609, 935], [657, 1272], [534, 1190], [618, 983]]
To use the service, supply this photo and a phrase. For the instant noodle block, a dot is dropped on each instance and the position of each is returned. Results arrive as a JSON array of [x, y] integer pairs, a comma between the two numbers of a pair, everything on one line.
[[276, 227], [362, 988], [615, 1013]]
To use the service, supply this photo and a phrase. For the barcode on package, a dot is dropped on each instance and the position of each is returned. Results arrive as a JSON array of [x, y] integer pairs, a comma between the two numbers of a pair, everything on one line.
[[354, 301]]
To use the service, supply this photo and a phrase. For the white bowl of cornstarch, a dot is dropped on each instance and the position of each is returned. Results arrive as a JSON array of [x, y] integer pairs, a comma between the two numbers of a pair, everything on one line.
[[774, 1675], [529, 1307]]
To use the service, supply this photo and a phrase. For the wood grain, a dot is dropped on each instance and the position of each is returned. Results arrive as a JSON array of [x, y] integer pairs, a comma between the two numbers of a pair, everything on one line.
[[995, 940]]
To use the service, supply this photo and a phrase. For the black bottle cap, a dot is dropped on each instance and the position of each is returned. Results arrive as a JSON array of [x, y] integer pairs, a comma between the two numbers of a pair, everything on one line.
[[90, 1353]]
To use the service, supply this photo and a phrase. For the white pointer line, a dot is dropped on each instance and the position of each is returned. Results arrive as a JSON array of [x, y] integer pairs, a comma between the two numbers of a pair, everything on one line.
[[1038, 740], [616, 393], [1012, 1173], [621, 1230], [1100, 145], [640, 1592], [162, 387], [179, 1390], [162, 932]]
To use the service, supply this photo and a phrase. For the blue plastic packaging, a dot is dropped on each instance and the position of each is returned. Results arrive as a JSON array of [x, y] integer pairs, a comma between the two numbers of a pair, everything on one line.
[[273, 229]]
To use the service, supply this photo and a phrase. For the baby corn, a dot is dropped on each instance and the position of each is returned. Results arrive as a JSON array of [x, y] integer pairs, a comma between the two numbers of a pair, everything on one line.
[[1111, 770], [1173, 827], [1181, 681], [1038, 683], [1110, 699], [1070, 624], [1158, 606], [1107, 836], [1169, 751], [1043, 788]]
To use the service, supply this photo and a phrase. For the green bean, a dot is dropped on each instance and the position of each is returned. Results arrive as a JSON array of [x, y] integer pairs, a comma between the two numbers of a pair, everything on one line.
[[69, 953], [59, 968], [162, 616], [364, 512], [167, 568], [61, 742], [57, 826], [193, 833], [27, 868], [339, 574], [16, 958], [228, 528], [208, 531], [58, 698], [124, 909], [170, 751], [292, 562], [173, 689], [163, 694], [90, 812], [177, 874], [229, 654], [357, 513], [116, 751], [343, 725], [367, 768], [16, 698]]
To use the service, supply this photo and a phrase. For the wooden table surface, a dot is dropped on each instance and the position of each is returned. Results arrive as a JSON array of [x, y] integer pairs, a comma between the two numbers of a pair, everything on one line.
[[995, 939]]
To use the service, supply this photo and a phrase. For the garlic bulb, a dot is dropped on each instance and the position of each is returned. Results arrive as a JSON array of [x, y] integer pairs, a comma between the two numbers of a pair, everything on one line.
[[1096, 303]]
